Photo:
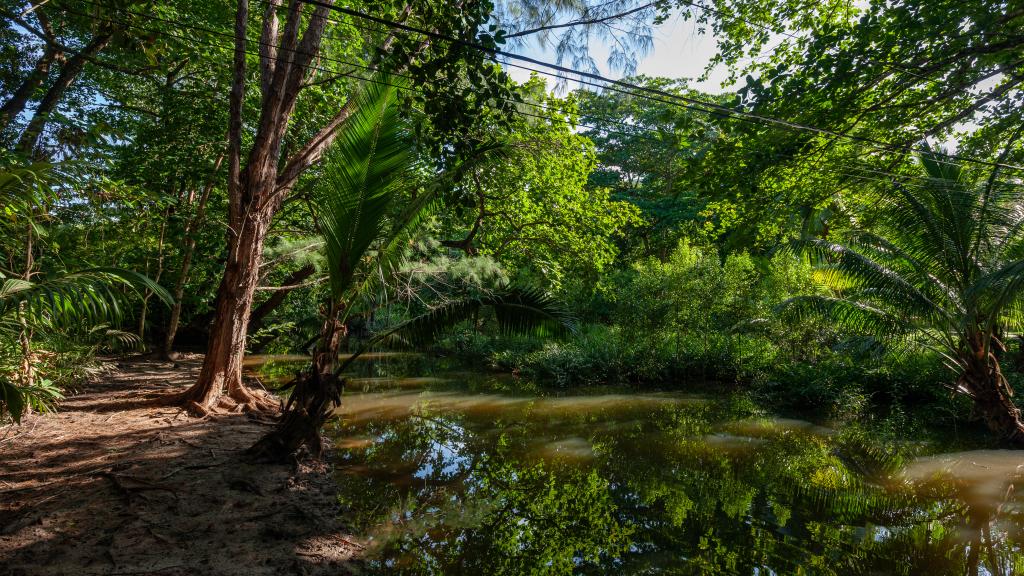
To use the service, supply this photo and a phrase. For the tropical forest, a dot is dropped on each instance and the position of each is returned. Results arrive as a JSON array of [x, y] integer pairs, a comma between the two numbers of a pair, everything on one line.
[[511, 287]]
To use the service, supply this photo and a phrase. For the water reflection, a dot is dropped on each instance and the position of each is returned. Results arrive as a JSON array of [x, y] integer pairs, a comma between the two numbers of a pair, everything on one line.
[[984, 481], [448, 476]]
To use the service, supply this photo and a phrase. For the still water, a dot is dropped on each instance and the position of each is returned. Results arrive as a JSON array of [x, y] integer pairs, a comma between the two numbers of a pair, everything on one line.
[[468, 473]]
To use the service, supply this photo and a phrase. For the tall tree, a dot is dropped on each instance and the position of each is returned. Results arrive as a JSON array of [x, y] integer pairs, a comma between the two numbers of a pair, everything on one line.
[[257, 188]]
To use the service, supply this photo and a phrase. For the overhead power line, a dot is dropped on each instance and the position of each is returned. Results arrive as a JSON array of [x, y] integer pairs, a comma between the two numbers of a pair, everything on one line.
[[694, 103], [631, 129], [621, 86]]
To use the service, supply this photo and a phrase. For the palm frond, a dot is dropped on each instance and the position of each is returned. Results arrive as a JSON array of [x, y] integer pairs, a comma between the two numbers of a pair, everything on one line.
[[518, 310], [112, 339], [358, 186], [24, 190], [383, 238], [919, 270], [854, 315], [943, 268], [1000, 287], [93, 295], [41, 396], [884, 281], [913, 223], [25, 186]]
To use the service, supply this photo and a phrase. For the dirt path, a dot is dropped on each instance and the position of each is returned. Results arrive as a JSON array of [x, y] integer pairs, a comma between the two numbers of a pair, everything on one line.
[[109, 485]]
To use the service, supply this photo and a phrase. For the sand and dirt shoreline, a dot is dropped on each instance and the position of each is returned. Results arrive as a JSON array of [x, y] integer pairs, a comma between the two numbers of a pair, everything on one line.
[[111, 484]]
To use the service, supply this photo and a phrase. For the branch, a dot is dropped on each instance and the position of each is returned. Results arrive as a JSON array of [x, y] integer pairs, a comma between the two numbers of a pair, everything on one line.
[[466, 244], [312, 151], [995, 94], [291, 287], [235, 119], [50, 40], [582, 22], [294, 281], [306, 50], [268, 46], [295, 56]]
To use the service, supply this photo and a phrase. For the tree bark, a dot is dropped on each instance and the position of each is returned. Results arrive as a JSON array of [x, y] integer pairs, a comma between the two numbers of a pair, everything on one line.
[[314, 398], [51, 53], [222, 366], [254, 195], [983, 381]]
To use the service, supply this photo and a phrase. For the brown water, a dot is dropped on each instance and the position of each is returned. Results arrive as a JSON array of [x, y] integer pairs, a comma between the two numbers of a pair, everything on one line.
[[462, 473]]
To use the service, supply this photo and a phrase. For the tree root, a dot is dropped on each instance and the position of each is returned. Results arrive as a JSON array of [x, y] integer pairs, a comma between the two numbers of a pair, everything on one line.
[[251, 400], [238, 399]]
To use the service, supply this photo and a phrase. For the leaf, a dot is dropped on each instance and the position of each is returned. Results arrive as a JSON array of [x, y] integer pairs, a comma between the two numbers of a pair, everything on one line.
[[518, 310]]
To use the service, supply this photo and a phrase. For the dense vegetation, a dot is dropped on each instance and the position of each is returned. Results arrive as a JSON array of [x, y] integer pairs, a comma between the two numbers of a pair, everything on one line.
[[839, 235]]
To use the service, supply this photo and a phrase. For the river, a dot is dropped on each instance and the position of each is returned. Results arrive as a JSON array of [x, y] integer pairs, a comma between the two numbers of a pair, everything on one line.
[[456, 472]]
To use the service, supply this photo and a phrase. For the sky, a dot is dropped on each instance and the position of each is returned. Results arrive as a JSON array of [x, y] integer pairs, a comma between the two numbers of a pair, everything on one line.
[[678, 51]]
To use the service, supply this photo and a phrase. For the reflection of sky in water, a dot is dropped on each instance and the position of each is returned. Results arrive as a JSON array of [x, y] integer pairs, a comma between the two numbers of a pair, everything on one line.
[[449, 476], [450, 456]]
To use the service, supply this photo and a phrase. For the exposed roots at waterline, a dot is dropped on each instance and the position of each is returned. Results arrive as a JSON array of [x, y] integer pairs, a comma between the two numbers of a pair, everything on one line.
[[237, 399]]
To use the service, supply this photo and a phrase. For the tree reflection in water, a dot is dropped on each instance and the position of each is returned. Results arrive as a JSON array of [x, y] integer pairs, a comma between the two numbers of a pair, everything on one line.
[[457, 483]]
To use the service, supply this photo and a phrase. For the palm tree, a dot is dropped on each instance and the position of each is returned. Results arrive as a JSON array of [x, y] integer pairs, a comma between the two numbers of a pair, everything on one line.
[[354, 210], [942, 269]]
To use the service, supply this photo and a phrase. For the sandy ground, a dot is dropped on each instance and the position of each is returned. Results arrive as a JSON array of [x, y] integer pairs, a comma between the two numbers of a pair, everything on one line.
[[112, 485]]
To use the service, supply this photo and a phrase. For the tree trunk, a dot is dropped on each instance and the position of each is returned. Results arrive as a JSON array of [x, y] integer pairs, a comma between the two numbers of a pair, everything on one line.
[[985, 383], [167, 350], [222, 366], [17, 102], [25, 335], [159, 272], [68, 73], [332, 333], [314, 397], [255, 193]]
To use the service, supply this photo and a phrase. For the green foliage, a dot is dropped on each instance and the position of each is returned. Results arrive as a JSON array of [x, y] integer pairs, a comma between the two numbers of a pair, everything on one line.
[[700, 323], [649, 153], [362, 171], [938, 270], [57, 305], [531, 207], [689, 320], [89, 296], [15, 400], [517, 310], [595, 357]]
